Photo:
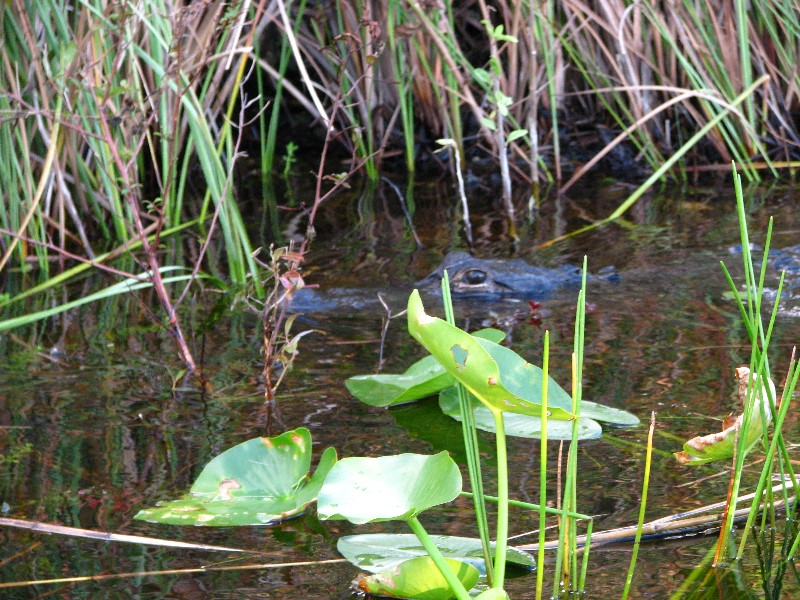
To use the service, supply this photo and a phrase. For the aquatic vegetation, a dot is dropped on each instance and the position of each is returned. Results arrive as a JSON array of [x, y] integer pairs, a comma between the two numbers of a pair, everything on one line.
[[376, 552], [265, 480], [761, 407], [258, 482], [501, 382], [428, 377], [722, 445]]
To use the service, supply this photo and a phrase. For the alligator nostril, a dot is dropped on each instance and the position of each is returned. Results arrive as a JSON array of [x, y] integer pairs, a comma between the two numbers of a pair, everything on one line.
[[475, 277]]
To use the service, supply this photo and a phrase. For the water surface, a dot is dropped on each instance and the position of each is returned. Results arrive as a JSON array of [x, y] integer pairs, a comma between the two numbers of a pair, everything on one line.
[[96, 421]]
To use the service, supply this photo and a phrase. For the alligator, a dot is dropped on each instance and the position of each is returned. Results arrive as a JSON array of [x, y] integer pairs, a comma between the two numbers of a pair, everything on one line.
[[470, 277], [498, 277]]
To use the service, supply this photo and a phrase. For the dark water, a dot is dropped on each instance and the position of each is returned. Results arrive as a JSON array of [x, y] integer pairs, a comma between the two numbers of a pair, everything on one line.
[[95, 422]]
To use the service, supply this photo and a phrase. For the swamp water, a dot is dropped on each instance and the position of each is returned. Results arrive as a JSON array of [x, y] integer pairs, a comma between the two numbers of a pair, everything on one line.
[[95, 424]]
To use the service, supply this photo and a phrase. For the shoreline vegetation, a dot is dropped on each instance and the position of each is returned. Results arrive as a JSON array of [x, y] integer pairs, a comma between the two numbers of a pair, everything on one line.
[[122, 125], [120, 122]]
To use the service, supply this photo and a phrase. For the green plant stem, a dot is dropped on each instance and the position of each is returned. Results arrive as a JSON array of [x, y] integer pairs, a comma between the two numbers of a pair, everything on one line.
[[759, 365], [788, 392], [543, 468], [501, 540], [455, 584], [642, 506], [470, 434], [475, 477]]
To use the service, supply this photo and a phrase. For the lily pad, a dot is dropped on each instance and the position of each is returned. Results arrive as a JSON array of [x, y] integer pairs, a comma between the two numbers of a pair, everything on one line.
[[424, 378], [258, 482], [381, 551], [398, 487], [607, 414], [426, 422], [516, 425], [418, 579], [497, 376], [719, 446]]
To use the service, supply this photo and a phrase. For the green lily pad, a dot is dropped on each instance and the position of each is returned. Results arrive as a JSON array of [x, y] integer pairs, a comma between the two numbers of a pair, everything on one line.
[[497, 376], [387, 488], [607, 414], [258, 482], [516, 425], [424, 378], [418, 579], [381, 551], [426, 422]]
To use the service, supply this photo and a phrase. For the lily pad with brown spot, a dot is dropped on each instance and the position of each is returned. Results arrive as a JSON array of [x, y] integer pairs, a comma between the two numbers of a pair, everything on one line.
[[258, 482]]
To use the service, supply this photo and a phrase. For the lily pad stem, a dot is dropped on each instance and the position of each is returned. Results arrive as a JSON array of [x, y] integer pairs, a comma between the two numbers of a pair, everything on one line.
[[501, 541], [455, 584]]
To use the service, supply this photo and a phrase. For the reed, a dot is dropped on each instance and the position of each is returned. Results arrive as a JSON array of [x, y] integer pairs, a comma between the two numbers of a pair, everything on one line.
[[127, 101], [118, 120], [775, 446]]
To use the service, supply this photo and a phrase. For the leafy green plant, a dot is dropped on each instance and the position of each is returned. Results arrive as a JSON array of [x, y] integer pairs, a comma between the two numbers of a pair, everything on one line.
[[366, 490], [428, 377], [376, 552], [258, 482], [761, 406], [503, 389], [265, 480]]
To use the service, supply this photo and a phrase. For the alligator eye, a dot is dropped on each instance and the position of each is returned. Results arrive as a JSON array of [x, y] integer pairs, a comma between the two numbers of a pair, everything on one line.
[[475, 277]]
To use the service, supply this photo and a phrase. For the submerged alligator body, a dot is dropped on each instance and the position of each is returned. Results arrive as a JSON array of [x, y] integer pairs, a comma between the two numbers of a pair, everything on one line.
[[470, 277]]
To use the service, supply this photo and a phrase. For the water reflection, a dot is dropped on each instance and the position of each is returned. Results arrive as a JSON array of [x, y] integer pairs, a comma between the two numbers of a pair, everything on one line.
[[92, 434]]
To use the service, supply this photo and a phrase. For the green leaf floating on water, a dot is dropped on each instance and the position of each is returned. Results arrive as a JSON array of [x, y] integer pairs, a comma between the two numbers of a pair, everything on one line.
[[517, 425], [387, 488], [418, 579], [375, 552], [607, 414], [497, 376], [258, 482], [719, 446], [424, 378]]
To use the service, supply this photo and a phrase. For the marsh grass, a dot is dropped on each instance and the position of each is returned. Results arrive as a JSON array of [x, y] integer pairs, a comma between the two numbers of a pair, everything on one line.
[[777, 461], [112, 109], [656, 71]]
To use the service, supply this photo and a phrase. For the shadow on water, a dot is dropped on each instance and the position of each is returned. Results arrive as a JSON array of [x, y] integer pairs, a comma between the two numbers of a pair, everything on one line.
[[94, 423]]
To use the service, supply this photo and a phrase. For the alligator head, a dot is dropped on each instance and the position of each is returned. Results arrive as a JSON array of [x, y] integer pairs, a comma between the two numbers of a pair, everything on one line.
[[470, 276]]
